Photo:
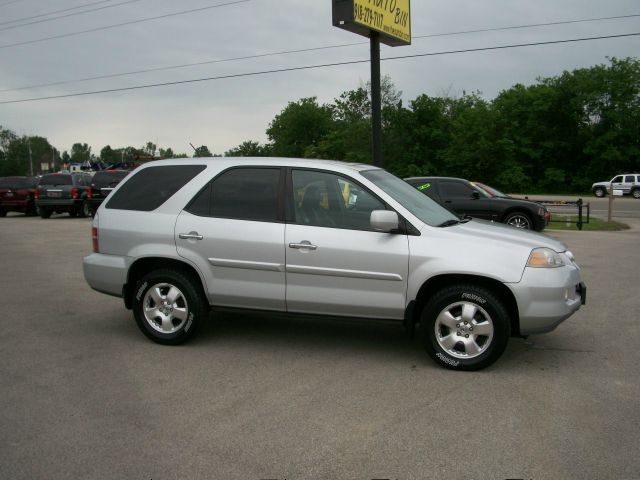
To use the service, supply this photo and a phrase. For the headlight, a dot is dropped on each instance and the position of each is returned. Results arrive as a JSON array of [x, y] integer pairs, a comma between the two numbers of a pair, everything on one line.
[[544, 258]]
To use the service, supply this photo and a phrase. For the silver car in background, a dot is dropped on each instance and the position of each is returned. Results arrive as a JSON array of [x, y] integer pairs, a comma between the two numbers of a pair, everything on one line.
[[178, 238]]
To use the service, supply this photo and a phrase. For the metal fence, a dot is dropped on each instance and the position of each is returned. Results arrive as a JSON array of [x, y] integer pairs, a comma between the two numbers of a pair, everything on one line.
[[565, 208]]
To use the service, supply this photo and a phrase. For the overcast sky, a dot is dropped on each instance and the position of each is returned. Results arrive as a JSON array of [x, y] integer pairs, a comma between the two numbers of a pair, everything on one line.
[[223, 113]]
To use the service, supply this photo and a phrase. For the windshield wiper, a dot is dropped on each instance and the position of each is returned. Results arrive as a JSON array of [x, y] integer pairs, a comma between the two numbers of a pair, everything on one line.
[[449, 223]]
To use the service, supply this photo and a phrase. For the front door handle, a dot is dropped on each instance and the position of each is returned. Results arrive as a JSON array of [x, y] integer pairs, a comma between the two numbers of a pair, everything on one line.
[[190, 236], [303, 244]]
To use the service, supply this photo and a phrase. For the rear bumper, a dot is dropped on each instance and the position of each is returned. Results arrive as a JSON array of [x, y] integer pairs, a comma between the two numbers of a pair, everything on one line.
[[548, 296], [58, 203], [106, 273]]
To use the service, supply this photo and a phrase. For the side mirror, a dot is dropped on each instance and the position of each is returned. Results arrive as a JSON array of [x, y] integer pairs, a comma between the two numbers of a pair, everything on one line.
[[383, 220], [475, 194]]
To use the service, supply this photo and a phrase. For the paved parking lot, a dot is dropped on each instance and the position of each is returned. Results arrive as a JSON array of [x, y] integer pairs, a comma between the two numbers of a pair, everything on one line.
[[85, 395]]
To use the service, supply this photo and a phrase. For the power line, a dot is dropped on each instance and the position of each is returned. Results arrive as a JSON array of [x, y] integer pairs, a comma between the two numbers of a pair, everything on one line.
[[148, 19], [310, 67], [9, 3], [546, 24], [10, 27], [302, 50], [51, 13]]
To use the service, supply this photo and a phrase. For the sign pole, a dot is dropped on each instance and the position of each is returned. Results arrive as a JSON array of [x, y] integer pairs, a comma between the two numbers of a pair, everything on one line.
[[376, 103]]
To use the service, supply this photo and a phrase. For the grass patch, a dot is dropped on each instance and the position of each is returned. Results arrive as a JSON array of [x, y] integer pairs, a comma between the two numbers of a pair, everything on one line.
[[595, 224]]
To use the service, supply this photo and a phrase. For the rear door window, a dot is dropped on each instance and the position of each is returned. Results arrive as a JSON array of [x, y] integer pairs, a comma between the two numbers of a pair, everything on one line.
[[243, 194]]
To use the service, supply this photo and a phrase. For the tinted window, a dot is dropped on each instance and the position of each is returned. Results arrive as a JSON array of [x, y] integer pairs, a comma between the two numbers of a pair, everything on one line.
[[151, 187], [108, 178], [241, 193], [629, 179], [54, 179], [454, 190], [617, 179], [329, 200]]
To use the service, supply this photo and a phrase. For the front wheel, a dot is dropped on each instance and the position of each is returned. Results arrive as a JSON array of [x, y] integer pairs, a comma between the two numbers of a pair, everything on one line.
[[465, 327], [168, 306], [599, 192], [519, 220]]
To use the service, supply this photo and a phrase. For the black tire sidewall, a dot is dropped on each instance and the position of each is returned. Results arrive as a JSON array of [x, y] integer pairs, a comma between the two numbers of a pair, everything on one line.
[[44, 212], [478, 296], [196, 304], [520, 214]]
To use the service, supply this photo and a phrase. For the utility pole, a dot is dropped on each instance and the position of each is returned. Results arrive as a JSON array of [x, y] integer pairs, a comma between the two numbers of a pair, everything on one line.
[[30, 159], [376, 102]]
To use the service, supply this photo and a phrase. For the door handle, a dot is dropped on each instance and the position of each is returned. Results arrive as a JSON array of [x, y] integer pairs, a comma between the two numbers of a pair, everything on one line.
[[303, 244], [190, 236]]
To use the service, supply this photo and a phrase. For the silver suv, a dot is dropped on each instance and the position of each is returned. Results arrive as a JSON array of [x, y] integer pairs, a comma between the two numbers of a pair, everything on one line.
[[628, 183], [177, 238]]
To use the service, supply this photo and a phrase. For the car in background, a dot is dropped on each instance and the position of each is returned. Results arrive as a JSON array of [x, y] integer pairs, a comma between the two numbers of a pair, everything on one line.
[[63, 192], [102, 183], [629, 183], [17, 195], [465, 199]]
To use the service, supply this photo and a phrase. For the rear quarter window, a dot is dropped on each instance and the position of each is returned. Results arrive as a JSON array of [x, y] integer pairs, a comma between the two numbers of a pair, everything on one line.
[[150, 187]]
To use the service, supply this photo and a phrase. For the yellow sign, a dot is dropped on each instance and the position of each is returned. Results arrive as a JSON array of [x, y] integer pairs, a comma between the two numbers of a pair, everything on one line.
[[389, 17]]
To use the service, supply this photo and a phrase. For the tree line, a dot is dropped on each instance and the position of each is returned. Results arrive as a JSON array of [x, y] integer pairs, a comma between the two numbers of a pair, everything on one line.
[[558, 135]]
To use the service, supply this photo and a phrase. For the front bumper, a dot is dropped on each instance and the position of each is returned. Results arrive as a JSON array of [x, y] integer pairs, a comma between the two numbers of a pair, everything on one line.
[[548, 296]]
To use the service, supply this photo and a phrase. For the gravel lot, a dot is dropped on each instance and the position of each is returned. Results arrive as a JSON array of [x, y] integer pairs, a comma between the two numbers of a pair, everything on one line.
[[86, 395]]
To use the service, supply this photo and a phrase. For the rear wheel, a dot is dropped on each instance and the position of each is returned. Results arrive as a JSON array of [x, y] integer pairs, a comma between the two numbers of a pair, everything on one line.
[[85, 210], [169, 306], [519, 220], [44, 212], [636, 193], [599, 192], [465, 327], [73, 212]]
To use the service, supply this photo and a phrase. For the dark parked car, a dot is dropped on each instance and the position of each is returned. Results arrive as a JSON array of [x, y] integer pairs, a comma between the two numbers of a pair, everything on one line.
[[465, 199], [63, 192], [17, 195], [101, 185]]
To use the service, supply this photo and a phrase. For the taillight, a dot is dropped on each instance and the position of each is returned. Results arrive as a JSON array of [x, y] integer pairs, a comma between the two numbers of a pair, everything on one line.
[[94, 239], [90, 192], [74, 193]]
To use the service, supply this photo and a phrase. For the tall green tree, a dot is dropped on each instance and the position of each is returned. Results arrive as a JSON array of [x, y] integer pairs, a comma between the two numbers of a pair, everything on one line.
[[249, 148], [299, 128], [202, 151]]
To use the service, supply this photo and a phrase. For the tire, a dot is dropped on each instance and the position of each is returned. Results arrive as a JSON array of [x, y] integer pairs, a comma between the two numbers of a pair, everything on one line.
[[519, 220], [636, 193], [3, 212], [599, 192], [44, 212], [73, 213], [185, 309], [455, 345], [85, 210]]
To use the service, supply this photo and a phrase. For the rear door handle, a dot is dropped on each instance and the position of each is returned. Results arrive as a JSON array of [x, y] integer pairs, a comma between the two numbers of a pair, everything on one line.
[[190, 236], [303, 244]]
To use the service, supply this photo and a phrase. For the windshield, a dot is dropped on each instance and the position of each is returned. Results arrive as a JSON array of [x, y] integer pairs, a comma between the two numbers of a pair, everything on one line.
[[410, 198], [490, 190]]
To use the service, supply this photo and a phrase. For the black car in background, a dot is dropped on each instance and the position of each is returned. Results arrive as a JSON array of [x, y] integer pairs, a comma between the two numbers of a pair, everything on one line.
[[101, 185], [63, 192], [17, 195], [465, 199]]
